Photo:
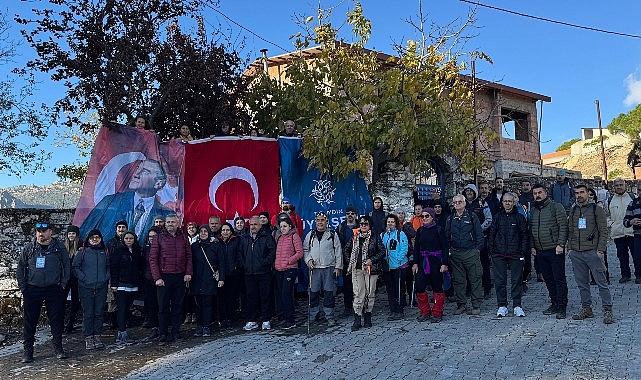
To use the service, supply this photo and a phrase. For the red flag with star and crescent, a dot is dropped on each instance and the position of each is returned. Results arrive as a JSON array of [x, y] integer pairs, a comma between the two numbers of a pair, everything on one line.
[[230, 177]]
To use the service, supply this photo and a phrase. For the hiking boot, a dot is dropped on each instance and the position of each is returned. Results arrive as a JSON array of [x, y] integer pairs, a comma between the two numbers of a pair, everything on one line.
[[206, 332], [460, 310], [608, 318], [501, 312], [435, 319], [423, 318], [163, 340], [57, 348], [123, 338], [27, 355], [551, 310], [394, 317], [367, 319], [584, 312], [561, 312], [357, 322], [623, 280], [89, 343], [153, 334], [97, 343]]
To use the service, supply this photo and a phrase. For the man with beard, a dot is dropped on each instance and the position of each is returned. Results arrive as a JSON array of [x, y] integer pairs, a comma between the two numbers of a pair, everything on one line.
[[287, 207], [548, 234], [482, 211]]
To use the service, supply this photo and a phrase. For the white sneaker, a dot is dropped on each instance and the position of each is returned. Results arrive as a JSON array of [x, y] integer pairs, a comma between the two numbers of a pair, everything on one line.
[[502, 312], [250, 326], [267, 326], [518, 312]]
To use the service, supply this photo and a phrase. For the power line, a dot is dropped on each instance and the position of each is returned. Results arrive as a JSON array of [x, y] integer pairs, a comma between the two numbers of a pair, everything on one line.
[[550, 20], [249, 31]]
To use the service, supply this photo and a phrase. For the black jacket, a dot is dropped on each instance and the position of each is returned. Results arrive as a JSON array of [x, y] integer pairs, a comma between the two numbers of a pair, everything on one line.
[[57, 266], [509, 235], [126, 267], [430, 240], [259, 253], [375, 252], [202, 280], [231, 253], [464, 232]]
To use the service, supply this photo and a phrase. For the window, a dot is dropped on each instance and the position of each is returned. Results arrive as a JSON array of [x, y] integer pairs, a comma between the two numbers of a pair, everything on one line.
[[515, 125]]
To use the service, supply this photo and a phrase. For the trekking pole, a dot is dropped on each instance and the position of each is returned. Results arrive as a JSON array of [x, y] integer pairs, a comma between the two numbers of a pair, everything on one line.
[[369, 286], [413, 289], [309, 299]]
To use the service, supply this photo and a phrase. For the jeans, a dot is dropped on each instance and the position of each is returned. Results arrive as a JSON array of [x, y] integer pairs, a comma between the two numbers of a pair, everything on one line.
[[501, 266], [552, 267], [624, 245]]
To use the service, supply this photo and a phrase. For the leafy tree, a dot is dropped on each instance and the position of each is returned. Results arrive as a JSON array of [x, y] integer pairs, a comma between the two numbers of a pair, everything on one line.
[[124, 58], [628, 123], [23, 124], [567, 144], [406, 108]]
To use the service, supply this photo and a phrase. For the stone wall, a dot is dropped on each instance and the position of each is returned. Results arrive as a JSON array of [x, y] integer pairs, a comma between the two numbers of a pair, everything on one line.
[[17, 228]]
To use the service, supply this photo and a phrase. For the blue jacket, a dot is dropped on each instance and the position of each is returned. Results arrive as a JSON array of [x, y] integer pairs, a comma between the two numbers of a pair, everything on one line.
[[396, 258]]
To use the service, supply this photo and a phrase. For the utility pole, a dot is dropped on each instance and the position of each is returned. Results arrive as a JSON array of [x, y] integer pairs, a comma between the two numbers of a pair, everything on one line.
[[605, 166]]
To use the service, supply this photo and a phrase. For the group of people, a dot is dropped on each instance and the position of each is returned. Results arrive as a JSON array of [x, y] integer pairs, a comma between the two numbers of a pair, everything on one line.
[[218, 269]]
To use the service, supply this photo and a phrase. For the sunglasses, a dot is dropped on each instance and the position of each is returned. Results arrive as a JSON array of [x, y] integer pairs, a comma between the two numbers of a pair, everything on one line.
[[42, 227], [428, 216], [364, 224], [350, 213]]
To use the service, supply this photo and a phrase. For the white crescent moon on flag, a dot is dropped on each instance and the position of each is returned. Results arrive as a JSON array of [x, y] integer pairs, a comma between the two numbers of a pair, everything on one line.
[[106, 182], [232, 172]]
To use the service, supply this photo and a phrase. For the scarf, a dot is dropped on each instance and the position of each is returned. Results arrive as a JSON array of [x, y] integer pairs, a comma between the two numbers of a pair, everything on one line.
[[354, 254]]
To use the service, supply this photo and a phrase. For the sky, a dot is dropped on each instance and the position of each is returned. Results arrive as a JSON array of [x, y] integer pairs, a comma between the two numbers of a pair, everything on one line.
[[573, 66]]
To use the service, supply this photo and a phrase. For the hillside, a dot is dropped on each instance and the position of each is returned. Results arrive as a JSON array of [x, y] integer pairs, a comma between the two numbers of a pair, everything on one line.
[[57, 195], [590, 164]]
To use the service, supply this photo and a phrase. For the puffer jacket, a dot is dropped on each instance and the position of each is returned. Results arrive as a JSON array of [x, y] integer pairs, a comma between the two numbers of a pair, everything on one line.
[[203, 282], [509, 236], [57, 268], [258, 253], [548, 225], [397, 257], [170, 254], [464, 232], [595, 235], [375, 252], [326, 253], [289, 249], [126, 267], [91, 267]]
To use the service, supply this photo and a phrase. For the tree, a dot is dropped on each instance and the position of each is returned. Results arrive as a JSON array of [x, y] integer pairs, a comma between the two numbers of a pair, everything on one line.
[[567, 144], [124, 58], [407, 108], [628, 123], [23, 124]]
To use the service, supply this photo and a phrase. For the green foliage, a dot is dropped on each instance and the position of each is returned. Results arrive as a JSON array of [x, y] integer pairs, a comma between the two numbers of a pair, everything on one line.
[[127, 58], [567, 144], [350, 102], [595, 141], [75, 172], [628, 123], [612, 174], [23, 124]]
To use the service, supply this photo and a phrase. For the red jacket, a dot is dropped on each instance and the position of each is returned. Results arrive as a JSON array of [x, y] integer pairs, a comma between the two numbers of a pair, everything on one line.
[[298, 222], [170, 255], [289, 249]]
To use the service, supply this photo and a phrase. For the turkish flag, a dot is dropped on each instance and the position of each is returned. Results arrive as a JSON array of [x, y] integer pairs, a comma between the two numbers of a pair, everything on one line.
[[230, 177]]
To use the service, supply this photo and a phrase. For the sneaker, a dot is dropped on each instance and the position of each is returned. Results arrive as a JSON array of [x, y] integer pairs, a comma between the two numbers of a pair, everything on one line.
[[584, 312], [608, 318], [623, 280], [502, 311], [123, 338], [250, 326], [518, 312], [266, 326], [288, 325], [550, 310], [206, 332], [460, 310]]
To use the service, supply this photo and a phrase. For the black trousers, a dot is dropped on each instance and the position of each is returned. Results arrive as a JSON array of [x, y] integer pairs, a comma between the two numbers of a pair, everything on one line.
[[348, 291], [151, 303], [230, 297], [54, 299], [501, 266], [124, 300], [170, 302], [486, 279], [626, 246], [395, 284], [204, 309], [72, 286], [259, 297], [552, 267]]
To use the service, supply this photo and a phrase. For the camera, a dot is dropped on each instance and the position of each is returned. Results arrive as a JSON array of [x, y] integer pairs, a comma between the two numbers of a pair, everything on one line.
[[392, 244]]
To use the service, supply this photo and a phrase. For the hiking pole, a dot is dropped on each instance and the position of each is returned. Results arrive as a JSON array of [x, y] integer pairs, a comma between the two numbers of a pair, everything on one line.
[[369, 286], [309, 299], [413, 289]]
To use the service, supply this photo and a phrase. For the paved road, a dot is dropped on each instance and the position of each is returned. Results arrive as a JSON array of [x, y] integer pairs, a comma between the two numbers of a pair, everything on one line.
[[461, 347]]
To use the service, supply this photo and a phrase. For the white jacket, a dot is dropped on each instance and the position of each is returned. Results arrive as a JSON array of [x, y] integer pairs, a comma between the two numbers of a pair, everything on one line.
[[618, 206]]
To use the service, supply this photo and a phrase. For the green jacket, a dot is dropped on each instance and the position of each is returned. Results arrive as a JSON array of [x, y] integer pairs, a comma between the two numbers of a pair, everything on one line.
[[595, 234], [548, 225]]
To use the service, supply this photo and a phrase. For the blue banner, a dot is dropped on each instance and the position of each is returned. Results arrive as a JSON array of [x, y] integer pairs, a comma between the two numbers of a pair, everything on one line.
[[310, 193]]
